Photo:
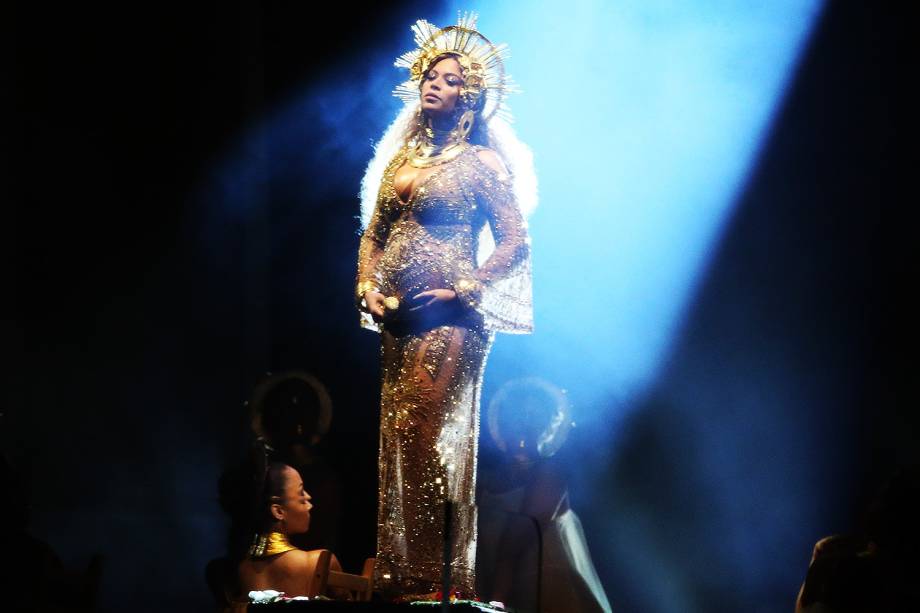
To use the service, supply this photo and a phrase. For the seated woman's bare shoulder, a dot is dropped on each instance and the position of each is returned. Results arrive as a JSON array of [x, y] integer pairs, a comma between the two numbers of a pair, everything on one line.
[[298, 562]]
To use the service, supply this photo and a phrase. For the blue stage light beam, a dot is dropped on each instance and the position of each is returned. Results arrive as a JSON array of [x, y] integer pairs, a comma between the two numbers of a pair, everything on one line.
[[645, 118]]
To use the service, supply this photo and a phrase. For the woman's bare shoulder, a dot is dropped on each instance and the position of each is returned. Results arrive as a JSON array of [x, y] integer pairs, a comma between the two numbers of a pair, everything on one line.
[[490, 158], [298, 560]]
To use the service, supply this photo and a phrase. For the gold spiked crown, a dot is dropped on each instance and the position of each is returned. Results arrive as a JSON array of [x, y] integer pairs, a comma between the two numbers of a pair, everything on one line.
[[483, 64]]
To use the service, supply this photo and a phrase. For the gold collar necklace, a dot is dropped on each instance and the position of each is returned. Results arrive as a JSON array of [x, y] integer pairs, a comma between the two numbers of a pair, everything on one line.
[[273, 543], [436, 147]]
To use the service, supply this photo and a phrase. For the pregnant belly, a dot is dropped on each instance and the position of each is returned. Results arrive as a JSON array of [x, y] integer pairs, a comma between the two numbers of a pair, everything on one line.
[[418, 269], [419, 275], [413, 263]]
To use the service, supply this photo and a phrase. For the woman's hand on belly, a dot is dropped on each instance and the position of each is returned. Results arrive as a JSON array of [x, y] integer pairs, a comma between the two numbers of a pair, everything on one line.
[[425, 300]]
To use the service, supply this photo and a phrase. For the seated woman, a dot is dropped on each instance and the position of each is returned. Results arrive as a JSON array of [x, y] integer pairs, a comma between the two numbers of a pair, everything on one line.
[[273, 562]]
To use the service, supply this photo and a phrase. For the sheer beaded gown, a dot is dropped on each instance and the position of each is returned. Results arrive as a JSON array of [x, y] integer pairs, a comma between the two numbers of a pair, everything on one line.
[[433, 359]]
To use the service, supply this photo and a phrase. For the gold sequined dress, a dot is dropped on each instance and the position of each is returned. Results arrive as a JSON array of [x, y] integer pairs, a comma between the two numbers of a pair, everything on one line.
[[433, 363]]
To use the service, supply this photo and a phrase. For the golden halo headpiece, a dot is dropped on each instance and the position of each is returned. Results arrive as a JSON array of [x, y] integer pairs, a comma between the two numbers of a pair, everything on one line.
[[483, 64]]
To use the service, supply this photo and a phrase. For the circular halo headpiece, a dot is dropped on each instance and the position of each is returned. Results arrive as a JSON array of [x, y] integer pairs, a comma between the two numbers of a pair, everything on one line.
[[483, 64], [271, 383], [532, 410]]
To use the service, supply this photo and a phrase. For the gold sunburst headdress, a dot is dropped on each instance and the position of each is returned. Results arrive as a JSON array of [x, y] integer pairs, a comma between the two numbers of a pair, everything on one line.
[[484, 79]]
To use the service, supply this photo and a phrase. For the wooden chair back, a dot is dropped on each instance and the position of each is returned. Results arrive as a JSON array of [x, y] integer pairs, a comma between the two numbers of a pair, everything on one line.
[[316, 584], [360, 586]]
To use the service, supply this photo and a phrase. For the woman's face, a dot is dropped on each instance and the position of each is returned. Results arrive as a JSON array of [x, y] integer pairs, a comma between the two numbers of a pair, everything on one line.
[[441, 87], [295, 506]]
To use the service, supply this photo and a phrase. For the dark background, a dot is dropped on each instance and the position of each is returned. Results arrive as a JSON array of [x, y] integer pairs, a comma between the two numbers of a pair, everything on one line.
[[141, 317]]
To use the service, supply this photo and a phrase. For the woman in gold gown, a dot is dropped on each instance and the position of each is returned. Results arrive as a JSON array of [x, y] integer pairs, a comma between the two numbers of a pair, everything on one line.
[[444, 263]]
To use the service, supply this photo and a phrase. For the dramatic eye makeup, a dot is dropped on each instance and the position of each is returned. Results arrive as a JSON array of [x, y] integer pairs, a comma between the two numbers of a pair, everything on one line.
[[451, 79]]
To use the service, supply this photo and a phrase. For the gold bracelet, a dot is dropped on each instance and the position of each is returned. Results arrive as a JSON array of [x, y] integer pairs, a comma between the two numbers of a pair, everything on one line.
[[364, 287], [468, 291]]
